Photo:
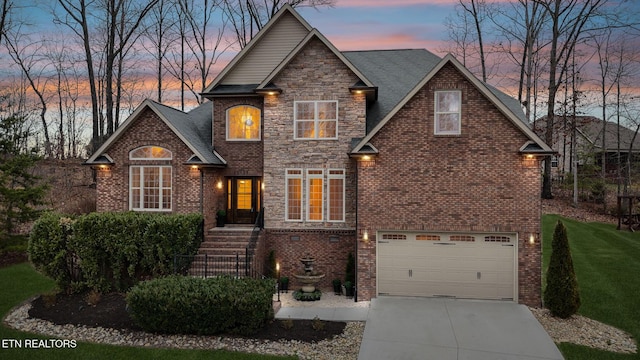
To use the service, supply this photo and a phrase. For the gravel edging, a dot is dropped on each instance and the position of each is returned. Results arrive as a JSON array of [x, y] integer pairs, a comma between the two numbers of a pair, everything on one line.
[[581, 330], [345, 346]]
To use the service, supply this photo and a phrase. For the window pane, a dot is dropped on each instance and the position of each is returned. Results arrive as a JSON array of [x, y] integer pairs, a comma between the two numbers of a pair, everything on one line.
[[166, 199], [315, 199], [305, 129], [327, 110], [243, 123], [150, 152], [305, 110], [135, 198], [244, 194], [449, 123], [448, 101], [336, 199], [294, 196], [326, 129]]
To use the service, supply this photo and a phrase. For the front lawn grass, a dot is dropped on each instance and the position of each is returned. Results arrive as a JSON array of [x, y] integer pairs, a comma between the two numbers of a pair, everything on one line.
[[20, 282], [607, 265]]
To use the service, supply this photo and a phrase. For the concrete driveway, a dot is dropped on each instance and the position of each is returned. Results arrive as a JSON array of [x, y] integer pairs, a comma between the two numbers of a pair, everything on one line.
[[447, 329]]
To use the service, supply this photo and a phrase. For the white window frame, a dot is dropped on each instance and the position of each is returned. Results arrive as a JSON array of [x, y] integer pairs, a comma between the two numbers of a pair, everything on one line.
[[310, 176], [259, 138], [336, 174], [293, 174], [141, 187], [316, 121], [437, 113], [167, 151]]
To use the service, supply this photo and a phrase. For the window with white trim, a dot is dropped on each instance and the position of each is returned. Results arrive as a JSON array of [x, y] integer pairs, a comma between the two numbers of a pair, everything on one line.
[[315, 195], [293, 195], [305, 198], [336, 194], [150, 185], [315, 119], [447, 112], [243, 123]]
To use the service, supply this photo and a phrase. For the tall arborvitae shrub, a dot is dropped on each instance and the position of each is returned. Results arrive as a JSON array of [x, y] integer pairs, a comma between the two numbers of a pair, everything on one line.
[[561, 296]]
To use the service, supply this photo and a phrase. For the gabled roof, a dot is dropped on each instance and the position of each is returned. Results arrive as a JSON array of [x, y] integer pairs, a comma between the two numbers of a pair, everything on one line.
[[286, 9], [315, 34], [193, 128], [590, 128], [503, 102]]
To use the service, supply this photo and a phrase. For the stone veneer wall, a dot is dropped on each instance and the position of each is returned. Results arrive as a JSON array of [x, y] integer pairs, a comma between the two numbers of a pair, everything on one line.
[[314, 74], [476, 181], [113, 184]]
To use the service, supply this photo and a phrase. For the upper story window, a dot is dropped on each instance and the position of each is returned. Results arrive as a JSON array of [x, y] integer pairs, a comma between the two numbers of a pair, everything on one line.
[[150, 153], [447, 112], [243, 123], [315, 119]]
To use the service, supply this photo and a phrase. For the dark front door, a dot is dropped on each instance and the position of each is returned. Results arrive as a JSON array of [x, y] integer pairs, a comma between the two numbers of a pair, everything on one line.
[[244, 199]]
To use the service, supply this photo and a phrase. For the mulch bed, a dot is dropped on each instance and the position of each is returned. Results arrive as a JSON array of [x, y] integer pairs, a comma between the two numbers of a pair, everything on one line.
[[8, 258], [111, 312]]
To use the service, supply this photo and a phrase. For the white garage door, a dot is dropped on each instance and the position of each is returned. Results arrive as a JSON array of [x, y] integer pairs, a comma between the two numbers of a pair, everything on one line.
[[474, 266]]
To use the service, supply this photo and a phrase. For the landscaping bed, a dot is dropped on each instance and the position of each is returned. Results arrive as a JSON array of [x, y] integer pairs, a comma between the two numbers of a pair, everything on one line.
[[110, 312]]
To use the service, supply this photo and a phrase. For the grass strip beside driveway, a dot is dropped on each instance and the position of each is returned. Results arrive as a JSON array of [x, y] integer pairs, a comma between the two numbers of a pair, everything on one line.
[[607, 265], [20, 282]]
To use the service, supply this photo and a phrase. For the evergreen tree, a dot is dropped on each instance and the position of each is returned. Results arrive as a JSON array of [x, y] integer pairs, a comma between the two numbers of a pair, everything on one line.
[[21, 193], [561, 296]]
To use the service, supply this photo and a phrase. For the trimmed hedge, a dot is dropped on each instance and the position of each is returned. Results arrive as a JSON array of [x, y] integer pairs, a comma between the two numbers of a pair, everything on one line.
[[188, 305], [111, 251]]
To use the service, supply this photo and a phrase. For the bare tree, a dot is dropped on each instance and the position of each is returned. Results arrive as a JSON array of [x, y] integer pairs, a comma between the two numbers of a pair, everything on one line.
[[159, 34], [4, 16], [568, 20], [477, 11], [521, 40], [31, 67], [248, 17]]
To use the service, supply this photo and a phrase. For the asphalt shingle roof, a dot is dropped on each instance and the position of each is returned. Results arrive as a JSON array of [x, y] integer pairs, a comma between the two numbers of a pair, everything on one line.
[[394, 72]]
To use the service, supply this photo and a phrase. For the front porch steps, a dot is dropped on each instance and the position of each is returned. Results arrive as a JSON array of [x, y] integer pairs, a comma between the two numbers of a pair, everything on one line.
[[225, 250]]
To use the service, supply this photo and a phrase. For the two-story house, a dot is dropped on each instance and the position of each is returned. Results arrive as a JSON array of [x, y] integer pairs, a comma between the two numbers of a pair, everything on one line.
[[427, 175]]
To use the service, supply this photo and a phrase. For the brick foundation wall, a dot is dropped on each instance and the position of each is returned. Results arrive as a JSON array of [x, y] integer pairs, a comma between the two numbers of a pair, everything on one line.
[[330, 248], [476, 181]]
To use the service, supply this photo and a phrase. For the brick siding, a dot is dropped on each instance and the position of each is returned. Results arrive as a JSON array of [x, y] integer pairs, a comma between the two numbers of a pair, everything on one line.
[[113, 184], [476, 181]]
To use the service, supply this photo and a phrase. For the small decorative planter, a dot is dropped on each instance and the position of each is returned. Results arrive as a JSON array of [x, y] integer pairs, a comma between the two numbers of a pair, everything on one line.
[[348, 289], [221, 217], [284, 284], [337, 286]]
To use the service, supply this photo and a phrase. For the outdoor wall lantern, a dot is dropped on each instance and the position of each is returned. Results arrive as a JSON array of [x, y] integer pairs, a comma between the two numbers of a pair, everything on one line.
[[365, 236], [532, 238], [219, 185]]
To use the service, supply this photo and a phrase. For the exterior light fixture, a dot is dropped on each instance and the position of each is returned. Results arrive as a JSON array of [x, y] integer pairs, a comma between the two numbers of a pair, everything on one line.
[[219, 185], [532, 239], [366, 158], [365, 236], [194, 167], [278, 276]]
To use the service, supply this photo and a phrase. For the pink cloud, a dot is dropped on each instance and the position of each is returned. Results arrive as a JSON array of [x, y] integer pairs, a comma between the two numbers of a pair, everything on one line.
[[387, 3]]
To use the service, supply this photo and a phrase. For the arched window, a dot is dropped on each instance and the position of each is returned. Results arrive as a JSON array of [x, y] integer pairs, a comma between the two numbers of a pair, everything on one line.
[[150, 185], [150, 153], [243, 123]]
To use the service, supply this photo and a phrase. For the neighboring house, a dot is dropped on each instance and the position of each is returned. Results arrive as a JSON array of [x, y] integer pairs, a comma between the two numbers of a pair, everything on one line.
[[589, 132], [429, 176]]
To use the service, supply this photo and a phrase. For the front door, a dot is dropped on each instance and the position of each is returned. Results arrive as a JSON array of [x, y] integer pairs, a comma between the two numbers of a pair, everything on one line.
[[244, 199]]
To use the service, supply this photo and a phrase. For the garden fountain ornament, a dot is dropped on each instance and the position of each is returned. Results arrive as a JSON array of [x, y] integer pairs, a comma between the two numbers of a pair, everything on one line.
[[309, 278]]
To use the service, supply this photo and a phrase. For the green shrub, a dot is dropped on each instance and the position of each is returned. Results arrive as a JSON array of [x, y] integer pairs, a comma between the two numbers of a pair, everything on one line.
[[350, 270], [187, 305], [561, 295], [48, 248], [111, 251]]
